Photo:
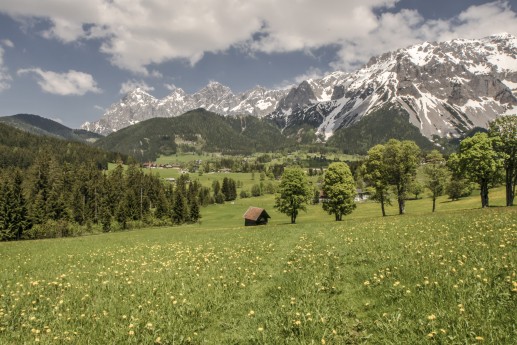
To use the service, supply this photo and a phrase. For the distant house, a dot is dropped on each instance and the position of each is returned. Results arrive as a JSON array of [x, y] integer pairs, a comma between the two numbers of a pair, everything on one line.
[[323, 197], [255, 216], [361, 195]]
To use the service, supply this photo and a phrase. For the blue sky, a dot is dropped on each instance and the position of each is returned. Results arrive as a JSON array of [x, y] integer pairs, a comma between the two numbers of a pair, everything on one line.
[[70, 60]]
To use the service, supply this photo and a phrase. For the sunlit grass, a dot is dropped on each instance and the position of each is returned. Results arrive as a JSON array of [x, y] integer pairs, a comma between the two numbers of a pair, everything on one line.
[[448, 277]]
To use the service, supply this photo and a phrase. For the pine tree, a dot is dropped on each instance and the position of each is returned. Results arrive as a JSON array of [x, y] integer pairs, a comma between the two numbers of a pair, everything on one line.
[[6, 234], [20, 214], [162, 205], [122, 213], [105, 215], [13, 211], [194, 214], [179, 208], [225, 189]]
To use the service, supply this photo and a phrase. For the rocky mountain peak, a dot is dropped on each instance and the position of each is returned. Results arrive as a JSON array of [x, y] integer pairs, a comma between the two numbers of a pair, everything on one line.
[[446, 88]]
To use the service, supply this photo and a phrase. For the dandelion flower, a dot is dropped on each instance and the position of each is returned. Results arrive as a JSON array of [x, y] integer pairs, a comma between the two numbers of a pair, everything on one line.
[[431, 317]]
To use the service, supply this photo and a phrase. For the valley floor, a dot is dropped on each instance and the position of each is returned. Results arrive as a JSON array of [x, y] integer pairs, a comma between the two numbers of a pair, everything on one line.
[[448, 277]]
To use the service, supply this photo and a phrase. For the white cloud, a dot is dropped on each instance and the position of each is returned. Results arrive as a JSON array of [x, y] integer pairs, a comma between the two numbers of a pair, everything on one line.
[[139, 33], [7, 43], [98, 107], [312, 73], [130, 85], [170, 87], [5, 78], [64, 84]]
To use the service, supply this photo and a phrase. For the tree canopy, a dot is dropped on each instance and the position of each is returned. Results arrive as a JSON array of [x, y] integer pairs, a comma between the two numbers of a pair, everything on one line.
[[504, 130], [480, 163], [339, 189], [401, 159], [436, 173], [294, 193]]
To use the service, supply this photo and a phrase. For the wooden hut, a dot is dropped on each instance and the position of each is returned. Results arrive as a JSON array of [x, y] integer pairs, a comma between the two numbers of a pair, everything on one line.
[[255, 216]]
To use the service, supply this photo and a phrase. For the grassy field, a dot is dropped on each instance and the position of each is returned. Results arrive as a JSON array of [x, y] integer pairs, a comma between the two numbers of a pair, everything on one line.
[[445, 278]]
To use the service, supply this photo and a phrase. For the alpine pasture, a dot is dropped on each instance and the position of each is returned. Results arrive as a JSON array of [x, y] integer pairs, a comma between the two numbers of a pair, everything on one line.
[[447, 277]]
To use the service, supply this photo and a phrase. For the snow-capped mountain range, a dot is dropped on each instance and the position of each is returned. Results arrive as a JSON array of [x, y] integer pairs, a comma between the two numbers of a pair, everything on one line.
[[446, 88]]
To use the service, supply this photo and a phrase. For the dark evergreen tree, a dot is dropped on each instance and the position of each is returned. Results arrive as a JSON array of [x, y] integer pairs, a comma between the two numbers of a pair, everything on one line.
[[216, 187], [194, 214], [205, 197], [122, 213], [105, 215], [13, 211], [162, 205], [20, 214], [179, 208]]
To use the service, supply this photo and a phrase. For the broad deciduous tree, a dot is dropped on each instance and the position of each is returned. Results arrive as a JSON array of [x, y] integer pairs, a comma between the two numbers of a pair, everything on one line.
[[436, 173], [480, 162], [294, 193], [339, 189], [376, 176], [504, 129], [401, 159]]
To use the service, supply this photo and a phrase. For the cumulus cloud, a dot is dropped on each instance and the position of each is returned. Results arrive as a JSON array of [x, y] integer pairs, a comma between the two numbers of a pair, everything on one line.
[[312, 73], [407, 27], [131, 85], [64, 84], [5, 78], [138, 34], [7, 43]]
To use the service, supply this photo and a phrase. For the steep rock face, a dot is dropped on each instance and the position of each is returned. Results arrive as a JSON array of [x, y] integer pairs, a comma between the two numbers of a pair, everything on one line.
[[138, 105], [446, 88]]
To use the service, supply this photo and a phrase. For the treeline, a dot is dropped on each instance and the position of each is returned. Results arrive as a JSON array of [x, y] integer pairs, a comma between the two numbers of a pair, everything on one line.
[[485, 159], [57, 200], [390, 169], [20, 149]]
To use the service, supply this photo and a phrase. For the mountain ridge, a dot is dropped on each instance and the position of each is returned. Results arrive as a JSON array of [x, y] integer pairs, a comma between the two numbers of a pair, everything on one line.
[[447, 88], [39, 125]]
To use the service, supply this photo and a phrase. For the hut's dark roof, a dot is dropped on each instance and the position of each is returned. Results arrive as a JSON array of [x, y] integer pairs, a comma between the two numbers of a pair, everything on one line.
[[253, 213]]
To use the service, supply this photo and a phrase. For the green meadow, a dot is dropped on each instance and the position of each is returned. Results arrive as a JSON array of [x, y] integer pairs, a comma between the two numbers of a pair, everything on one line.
[[445, 278]]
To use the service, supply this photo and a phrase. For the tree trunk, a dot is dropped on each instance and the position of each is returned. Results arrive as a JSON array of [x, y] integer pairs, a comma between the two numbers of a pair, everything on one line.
[[382, 205], [293, 218], [484, 194], [401, 200], [510, 186], [402, 205], [434, 202]]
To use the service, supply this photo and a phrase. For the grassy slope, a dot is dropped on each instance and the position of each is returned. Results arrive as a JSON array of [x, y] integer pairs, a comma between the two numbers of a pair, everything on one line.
[[399, 280]]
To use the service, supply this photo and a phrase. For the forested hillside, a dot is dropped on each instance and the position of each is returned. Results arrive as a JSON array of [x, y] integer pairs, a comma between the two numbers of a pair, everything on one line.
[[195, 130], [20, 149], [42, 126], [386, 123]]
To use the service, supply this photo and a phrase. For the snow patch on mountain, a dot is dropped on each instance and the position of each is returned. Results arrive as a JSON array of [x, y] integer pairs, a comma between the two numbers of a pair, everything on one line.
[[446, 88]]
